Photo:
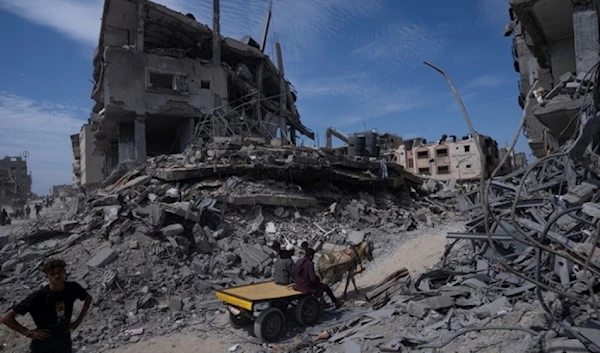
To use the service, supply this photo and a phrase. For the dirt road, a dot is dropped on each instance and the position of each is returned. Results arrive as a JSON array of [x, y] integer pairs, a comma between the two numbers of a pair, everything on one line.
[[421, 250]]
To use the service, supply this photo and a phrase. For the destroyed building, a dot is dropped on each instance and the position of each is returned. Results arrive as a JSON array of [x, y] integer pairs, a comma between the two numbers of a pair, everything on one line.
[[447, 158], [162, 80], [76, 160], [556, 43], [64, 190], [515, 160], [15, 179], [91, 165], [369, 144]]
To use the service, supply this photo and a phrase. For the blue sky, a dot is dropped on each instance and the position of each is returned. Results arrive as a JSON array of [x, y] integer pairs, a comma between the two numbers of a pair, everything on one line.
[[355, 63]]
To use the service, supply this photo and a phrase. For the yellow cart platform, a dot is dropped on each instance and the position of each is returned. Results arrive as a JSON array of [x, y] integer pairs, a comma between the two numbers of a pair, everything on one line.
[[265, 304]]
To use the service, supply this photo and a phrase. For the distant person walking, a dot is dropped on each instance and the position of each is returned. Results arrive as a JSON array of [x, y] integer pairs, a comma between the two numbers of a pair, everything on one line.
[[38, 208], [28, 212], [3, 217]]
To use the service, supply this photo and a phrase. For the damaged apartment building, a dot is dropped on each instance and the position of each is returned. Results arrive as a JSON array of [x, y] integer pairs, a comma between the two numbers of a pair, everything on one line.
[[448, 158], [88, 168], [163, 80], [556, 43], [15, 180]]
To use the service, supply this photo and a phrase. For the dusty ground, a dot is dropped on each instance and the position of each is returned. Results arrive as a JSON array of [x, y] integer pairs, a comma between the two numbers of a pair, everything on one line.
[[415, 250], [176, 343]]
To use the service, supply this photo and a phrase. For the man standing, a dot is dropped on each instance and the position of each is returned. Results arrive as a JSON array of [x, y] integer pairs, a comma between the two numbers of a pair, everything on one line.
[[306, 281], [51, 308], [283, 271], [27, 211]]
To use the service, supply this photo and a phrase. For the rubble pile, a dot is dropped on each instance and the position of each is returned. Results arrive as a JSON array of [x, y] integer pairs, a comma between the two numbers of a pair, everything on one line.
[[483, 295], [153, 246]]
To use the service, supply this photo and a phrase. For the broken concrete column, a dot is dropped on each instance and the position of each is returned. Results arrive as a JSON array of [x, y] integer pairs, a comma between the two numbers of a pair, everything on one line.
[[140, 28], [216, 49], [140, 138], [586, 36]]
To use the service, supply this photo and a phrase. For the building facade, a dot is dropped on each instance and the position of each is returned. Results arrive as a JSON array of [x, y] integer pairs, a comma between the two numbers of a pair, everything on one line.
[[448, 158], [76, 160], [516, 160], [91, 165], [64, 190], [15, 180], [163, 80], [556, 43]]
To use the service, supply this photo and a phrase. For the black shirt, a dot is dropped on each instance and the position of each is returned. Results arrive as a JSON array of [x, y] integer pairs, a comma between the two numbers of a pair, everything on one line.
[[52, 311]]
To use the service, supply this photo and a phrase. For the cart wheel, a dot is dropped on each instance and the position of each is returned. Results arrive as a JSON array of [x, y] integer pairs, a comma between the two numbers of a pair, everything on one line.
[[239, 321], [269, 324], [307, 311]]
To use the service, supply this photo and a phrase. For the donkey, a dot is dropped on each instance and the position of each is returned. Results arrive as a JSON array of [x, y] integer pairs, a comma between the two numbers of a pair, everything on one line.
[[332, 267]]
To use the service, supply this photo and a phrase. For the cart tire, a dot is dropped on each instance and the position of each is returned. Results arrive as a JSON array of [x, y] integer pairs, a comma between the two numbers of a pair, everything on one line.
[[269, 325], [239, 321], [307, 311]]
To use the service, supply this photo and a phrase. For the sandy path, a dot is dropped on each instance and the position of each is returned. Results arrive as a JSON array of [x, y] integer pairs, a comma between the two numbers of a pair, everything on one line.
[[176, 343], [420, 251]]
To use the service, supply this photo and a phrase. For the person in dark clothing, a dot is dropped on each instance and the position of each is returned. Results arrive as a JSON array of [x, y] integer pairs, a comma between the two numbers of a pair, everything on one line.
[[51, 308], [276, 246], [283, 271], [3, 217], [27, 211], [303, 247], [38, 208], [306, 280]]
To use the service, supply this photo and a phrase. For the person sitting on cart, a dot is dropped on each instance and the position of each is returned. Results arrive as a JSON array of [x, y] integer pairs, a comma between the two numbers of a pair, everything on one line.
[[306, 280], [283, 271]]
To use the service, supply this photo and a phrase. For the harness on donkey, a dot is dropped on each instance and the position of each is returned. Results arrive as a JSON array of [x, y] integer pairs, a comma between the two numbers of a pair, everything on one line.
[[332, 267]]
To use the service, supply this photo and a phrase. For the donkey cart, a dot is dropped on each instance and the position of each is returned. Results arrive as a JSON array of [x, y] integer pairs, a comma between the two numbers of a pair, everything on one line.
[[265, 304]]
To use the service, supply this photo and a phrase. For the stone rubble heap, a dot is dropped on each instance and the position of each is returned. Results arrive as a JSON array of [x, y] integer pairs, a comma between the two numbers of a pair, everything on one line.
[[153, 245], [483, 296]]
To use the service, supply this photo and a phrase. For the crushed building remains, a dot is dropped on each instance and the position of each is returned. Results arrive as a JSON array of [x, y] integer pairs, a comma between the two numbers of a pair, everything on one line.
[[156, 91], [448, 158], [555, 43], [173, 221], [15, 179]]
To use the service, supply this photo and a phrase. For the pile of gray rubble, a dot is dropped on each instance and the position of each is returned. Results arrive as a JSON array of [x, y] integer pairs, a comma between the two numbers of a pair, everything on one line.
[[155, 242]]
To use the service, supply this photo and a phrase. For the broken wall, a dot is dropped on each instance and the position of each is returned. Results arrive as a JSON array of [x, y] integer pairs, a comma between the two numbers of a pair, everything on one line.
[[91, 166], [150, 84]]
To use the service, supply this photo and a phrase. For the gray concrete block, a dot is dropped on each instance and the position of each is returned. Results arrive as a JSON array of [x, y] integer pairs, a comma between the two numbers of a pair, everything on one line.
[[176, 303], [351, 346], [416, 309], [172, 230], [102, 258], [439, 302], [9, 265]]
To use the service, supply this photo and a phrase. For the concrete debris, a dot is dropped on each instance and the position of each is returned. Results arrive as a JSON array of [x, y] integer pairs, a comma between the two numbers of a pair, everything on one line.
[[102, 258], [158, 241]]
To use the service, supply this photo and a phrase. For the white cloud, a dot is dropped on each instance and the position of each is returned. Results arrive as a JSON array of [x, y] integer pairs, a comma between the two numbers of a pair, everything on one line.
[[297, 24], [42, 129], [358, 85], [488, 81], [77, 19], [395, 101], [403, 43]]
